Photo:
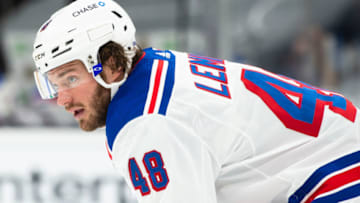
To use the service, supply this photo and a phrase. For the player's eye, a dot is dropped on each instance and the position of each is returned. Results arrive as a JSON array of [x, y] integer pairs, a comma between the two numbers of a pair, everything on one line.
[[72, 81]]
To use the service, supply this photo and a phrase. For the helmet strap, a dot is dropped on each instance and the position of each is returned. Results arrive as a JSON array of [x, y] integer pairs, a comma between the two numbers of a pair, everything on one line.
[[114, 87]]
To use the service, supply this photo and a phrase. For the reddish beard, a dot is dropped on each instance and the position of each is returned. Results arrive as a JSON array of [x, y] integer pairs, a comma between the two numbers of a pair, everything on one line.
[[97, 109]]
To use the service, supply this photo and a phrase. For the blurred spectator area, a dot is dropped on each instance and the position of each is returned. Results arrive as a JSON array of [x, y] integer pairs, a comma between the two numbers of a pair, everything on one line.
[[316, 41]]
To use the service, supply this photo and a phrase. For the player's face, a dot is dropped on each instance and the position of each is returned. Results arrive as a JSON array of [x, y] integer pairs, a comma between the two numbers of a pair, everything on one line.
[[80, 94]]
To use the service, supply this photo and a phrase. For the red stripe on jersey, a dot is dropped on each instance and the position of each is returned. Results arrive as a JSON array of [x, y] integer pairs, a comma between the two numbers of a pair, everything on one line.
[[156, 86], [108, 150], [336, 182]]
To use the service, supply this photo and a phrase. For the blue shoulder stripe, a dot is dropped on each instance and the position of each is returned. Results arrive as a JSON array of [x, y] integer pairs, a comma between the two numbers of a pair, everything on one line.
[[129, 102]]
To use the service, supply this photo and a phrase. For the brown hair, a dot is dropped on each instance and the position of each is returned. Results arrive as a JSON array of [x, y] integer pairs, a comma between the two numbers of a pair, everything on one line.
[[112, 49]]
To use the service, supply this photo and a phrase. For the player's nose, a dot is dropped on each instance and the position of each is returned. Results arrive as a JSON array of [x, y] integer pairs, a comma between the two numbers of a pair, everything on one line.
[[63, 98]]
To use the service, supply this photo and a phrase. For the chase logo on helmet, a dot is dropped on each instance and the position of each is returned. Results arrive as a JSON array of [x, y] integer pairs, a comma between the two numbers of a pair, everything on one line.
[[88, 8], [101, 3]]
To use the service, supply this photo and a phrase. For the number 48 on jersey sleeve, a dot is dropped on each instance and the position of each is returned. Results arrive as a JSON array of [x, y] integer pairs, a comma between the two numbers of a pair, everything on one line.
[[154, 165], [298, 106]]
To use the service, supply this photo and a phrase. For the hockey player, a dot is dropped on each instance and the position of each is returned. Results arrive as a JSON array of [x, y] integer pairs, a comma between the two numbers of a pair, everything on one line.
[[187, 128]]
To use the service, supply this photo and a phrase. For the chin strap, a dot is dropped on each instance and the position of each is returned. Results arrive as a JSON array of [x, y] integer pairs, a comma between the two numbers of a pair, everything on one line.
[[114, 87]]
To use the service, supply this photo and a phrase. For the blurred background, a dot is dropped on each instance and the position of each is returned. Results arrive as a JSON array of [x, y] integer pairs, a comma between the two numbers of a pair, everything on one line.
[[316, 41]]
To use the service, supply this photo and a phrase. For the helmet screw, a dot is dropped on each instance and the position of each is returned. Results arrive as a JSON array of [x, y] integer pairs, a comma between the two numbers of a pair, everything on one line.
[[90, 60]]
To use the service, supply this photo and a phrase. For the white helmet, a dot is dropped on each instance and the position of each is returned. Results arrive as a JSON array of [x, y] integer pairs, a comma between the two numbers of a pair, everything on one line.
[[76, 32]]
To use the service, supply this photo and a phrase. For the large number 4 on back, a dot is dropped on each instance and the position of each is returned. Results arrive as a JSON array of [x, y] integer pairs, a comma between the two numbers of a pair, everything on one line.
[[299, 107]]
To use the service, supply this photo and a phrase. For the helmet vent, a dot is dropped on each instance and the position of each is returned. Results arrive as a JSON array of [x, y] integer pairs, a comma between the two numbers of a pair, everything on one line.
[[71, 30], [38, 46], [55, 49], [125, 28], [66, 50], [69, 42], [117, 14]]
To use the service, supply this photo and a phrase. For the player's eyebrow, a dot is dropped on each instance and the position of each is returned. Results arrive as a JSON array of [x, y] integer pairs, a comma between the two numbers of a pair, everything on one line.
[[65, 72]]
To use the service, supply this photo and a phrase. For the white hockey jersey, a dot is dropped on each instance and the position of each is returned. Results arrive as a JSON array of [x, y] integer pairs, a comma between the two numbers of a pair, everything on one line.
[[186, 128]]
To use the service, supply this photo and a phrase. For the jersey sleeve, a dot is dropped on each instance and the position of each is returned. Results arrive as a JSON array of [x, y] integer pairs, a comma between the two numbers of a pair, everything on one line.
[[163, 161]]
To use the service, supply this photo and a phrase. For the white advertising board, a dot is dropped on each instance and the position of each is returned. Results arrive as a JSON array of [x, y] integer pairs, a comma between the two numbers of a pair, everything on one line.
[[53, 165]]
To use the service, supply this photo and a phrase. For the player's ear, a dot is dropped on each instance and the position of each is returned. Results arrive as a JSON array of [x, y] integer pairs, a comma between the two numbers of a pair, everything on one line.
[[111, 72]]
